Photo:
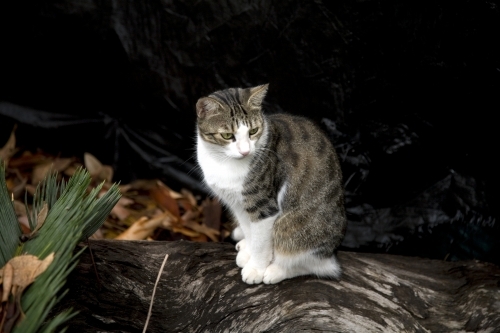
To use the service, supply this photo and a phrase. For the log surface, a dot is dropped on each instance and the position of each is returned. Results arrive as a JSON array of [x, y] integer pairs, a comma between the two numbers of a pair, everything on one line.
[[200, 290]]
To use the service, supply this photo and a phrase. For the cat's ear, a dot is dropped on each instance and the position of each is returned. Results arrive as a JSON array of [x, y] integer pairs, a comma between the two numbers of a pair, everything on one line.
[[257, 95], [206, 107]]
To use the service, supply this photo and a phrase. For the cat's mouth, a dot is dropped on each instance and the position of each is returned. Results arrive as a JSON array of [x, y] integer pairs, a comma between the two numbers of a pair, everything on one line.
[[240, 155]]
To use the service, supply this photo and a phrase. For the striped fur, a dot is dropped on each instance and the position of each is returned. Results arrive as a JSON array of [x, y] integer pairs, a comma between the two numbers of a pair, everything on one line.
[[280, 177]]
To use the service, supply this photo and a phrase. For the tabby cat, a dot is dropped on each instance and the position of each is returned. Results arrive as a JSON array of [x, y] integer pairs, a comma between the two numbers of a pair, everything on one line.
[[280, 177]]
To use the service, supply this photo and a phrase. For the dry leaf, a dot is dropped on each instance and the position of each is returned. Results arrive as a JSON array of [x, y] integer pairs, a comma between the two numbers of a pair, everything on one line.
[[42, 215], [96, 169], [92, 164], [18, 190], [17, 274], [19, 208], [200, 228], [124, 201], [97, 235], [161, 195], [40, 219], [27, 160], [9, 148], [172, 223], [201, 238], [125, 188], [186, 232], [106, 173], [186, 205], [119, 210], [26, 268], [143, 228], [44, 265], [187, 201], [225, 233], [6, 277], [25, 224], [31, 189], [39, 172], [189, 196], [9, 182], [174, 195], [142, 184], [70, 170], [189, 221], [160, 184], [212, 212], [61, 164]]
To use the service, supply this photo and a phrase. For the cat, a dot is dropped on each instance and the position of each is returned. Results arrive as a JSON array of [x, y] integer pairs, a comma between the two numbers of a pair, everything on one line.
[[280, 178]]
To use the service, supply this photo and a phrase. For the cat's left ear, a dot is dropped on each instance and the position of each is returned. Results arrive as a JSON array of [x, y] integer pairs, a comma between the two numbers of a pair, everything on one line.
[[206, 107], [257, 95]]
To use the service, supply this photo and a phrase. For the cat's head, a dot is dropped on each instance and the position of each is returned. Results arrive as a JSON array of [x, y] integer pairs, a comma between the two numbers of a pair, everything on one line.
[[232, 120]]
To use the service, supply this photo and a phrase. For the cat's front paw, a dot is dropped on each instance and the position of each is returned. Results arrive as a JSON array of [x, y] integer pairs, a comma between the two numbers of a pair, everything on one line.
[[242, 258], [252, 274], [237, 234], [274, 274], [241, 245]]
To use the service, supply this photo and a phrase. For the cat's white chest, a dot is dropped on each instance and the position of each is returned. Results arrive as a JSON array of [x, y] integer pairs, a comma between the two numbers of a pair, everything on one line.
[[225, 176]]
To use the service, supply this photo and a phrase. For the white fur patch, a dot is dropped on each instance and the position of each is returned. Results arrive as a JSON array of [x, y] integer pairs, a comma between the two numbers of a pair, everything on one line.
[[225, 168]]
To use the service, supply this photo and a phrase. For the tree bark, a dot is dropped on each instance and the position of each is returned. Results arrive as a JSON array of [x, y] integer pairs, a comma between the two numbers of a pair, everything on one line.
[[200, 290]]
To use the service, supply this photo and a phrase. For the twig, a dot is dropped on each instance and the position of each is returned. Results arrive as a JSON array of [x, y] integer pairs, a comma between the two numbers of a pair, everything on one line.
[[154, 290], [94, 265]]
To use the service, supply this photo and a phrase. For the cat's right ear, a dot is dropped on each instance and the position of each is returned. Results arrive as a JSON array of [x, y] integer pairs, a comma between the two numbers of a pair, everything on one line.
[[206, 107]]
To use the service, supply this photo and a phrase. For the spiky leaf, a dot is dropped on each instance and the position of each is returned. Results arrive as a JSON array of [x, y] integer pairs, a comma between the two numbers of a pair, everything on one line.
[[10, 230]]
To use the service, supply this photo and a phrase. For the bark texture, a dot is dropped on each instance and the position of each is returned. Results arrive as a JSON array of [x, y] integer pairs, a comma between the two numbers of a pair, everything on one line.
[[200, 290]]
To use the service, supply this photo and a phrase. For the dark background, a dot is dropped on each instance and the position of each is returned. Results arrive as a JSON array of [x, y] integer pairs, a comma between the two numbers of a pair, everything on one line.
[[407, 90]]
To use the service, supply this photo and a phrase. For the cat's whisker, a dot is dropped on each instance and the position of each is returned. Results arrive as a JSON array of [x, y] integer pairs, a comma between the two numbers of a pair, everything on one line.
[[266, 149], [187, 160], [261, 157], [268, 157], [195, 168]]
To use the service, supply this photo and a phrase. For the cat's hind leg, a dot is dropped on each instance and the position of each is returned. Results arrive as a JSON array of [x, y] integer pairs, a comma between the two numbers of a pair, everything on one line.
[[287, 266], [275, 273]]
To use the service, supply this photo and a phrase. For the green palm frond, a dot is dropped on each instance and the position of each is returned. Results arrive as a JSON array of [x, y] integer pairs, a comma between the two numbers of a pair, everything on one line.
[[48, 192], [74, 214], [10, 230]]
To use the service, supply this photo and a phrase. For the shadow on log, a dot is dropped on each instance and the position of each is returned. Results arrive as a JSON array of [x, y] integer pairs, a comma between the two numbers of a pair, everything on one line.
[[200, 290]]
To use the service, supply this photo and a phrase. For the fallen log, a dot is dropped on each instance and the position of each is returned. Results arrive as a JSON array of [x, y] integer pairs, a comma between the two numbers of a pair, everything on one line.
[[200, 290]]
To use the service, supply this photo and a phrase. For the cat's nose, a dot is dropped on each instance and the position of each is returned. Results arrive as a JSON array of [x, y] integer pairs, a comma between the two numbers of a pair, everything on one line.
[[243, 147]]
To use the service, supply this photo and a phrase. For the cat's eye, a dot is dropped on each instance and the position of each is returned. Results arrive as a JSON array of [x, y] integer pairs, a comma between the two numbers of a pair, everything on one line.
[[254, 130], [227, 136]]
